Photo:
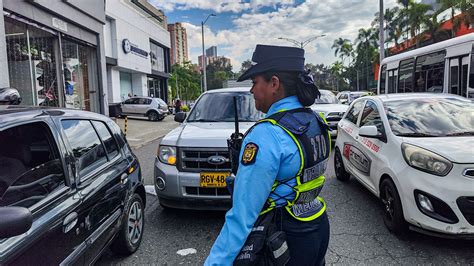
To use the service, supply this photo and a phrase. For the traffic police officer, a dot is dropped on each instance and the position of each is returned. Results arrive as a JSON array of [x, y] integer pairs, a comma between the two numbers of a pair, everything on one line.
[[283, 158]]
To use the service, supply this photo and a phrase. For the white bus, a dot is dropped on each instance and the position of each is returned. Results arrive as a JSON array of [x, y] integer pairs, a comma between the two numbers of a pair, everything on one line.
[[446, 67]]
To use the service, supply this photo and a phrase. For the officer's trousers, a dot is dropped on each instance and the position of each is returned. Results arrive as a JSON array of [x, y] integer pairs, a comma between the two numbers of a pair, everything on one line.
[[307, 241]]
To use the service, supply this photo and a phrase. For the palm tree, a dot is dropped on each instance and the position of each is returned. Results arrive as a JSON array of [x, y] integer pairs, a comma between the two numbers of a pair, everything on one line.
[[417, 19], [343, 48], [437, 34], [366, 42], [336, 70]]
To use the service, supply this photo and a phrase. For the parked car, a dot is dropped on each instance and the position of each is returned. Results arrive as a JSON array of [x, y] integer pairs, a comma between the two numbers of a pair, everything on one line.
[[414, 152], [347, 97], [153, 108], [69, 187], [193, 160], [331, 108]]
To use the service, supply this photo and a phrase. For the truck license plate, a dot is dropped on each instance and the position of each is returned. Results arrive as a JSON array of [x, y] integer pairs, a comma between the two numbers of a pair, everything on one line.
[[213, 179]]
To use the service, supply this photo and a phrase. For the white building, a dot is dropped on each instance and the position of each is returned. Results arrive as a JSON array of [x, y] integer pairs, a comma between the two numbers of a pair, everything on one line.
[[137, 49]]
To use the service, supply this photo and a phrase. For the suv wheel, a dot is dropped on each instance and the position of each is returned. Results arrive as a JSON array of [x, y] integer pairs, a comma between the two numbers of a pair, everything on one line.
[[152, 116], [130, 235], [341, 173], [393, 211], [161, 118]]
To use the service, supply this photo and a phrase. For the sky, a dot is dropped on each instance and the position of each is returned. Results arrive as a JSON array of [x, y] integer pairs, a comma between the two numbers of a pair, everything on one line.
[[240, 25]]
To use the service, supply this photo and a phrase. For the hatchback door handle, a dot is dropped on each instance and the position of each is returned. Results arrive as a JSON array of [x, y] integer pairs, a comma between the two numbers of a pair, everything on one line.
[[124, 178], [69, 222]]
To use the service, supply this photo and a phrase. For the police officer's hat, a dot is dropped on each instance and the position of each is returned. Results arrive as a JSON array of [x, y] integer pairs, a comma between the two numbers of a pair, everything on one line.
[[274, 58]]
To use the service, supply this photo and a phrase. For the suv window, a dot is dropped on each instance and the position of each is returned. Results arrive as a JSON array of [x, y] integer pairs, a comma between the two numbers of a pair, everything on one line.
[[107, 139], [354, 112], [371, 116], [85, 144], [129, 101], [30, 165]]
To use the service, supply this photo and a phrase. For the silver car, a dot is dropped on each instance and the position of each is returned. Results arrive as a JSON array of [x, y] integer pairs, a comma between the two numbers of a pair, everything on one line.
[[153, 108], [193, 160], [331, 108]]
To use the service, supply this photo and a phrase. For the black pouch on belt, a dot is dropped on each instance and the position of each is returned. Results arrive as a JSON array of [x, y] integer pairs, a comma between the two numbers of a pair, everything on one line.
[[265, 245]]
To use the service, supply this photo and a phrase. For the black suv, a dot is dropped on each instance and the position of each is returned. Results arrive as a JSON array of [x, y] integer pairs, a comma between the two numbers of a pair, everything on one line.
[[69, 187]]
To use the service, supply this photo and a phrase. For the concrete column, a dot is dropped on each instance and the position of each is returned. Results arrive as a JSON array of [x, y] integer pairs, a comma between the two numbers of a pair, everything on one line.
[[4, 79]]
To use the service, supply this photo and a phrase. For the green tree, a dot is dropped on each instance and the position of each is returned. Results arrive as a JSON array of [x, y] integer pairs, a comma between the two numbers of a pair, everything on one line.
[[217, 72], [464, 6], [416, 19], [188, 81]]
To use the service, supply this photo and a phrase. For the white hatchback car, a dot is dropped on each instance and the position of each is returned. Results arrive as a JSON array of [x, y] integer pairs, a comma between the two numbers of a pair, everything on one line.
[[416, 153]]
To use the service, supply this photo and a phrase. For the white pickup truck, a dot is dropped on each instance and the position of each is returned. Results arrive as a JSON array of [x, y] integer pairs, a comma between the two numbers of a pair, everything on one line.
[[193, 160]]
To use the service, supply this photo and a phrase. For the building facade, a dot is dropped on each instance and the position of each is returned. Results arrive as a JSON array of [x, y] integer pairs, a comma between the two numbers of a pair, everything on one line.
[[137, 49], [224, 61], [211, 51], [179, 43], [52, 52]]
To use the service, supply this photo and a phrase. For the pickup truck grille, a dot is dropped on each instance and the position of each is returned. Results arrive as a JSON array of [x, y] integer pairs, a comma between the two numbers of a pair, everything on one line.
[[196, 159]]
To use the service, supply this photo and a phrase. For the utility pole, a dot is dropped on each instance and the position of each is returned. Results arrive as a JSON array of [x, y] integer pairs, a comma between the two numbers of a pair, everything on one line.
[[381, 31], [203, 54]]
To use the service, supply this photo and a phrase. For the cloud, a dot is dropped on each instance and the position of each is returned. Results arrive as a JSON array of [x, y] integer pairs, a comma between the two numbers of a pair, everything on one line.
[[334, 18]]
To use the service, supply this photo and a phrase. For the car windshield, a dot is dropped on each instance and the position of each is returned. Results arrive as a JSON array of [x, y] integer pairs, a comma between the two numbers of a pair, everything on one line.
[[435, 117], [219, 107], [326, 98]]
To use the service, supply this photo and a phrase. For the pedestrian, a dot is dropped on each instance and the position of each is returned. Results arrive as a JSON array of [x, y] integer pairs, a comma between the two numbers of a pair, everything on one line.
[[283, 158], [177, 106]]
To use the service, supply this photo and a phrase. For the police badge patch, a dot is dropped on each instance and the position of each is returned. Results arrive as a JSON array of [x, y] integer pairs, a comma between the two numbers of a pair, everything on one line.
[[250, 153]]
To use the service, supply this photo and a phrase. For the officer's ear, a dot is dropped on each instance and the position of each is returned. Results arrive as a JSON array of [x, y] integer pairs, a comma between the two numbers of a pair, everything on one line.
[[275, 84]]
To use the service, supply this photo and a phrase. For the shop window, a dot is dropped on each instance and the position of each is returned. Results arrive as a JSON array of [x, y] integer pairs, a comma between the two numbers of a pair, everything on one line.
[[80, 76], [125, 85], [157, 57], [32, 63]]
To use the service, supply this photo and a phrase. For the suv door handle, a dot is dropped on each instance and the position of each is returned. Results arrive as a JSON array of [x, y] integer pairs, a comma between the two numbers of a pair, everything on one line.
[[124, 178], [69, 222]]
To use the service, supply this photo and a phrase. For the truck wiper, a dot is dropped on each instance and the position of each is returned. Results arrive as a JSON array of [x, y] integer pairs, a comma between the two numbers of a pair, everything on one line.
[[203, 120]]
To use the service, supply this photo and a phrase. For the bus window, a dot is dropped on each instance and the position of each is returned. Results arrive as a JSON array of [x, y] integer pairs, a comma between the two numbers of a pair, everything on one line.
[[392, 81], [454, 76], [382, 79], [464, 69], [470, 92], [405, 77], [429, 72]]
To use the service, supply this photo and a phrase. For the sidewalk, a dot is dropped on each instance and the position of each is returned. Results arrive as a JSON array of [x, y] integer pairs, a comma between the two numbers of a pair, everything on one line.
[[140, 131]]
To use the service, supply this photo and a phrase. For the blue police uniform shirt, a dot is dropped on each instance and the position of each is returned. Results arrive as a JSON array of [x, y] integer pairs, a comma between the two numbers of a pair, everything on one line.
[[277, 153]]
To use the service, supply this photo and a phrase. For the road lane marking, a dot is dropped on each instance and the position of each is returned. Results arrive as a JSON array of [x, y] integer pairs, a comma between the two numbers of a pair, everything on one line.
[[187, 251], [150, 189]]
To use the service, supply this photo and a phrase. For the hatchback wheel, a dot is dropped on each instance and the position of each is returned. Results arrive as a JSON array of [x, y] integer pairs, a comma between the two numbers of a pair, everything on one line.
[[393, 211], [130, 235], [152, 116], [341, 173]]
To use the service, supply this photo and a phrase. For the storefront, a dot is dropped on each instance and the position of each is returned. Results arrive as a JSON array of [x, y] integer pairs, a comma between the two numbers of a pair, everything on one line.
[[52, 62], [137, 51]]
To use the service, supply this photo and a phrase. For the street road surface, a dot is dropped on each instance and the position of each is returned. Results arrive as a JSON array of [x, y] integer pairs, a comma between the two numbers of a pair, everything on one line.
[[358, 235]]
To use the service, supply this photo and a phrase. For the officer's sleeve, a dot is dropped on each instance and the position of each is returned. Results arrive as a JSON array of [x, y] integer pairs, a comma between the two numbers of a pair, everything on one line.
[[253, 185]]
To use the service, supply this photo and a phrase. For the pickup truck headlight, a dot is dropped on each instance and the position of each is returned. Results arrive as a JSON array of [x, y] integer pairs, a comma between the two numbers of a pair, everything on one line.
[[167, 154], [425, 160]]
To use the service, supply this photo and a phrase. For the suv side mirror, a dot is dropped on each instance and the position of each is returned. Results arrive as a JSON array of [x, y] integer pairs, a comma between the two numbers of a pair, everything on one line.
[[180, 117], [370, 132], [15, 221]]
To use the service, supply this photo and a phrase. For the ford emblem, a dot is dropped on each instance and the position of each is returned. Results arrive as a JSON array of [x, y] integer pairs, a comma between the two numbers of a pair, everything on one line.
[[216, 160]]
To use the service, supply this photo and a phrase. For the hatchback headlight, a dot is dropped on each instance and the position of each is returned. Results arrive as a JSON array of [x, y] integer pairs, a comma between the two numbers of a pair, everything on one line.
[[167, 154], [425, 160]]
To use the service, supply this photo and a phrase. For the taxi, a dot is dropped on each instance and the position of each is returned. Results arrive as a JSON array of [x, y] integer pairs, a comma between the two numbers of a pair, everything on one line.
[[414, 152]]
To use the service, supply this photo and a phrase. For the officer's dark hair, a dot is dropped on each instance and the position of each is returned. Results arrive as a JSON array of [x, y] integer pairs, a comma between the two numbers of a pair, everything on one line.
[[296, 83]]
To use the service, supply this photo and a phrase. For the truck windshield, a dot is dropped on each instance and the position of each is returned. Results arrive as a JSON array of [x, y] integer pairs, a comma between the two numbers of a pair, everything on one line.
[[219, 107], [326, 97]]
